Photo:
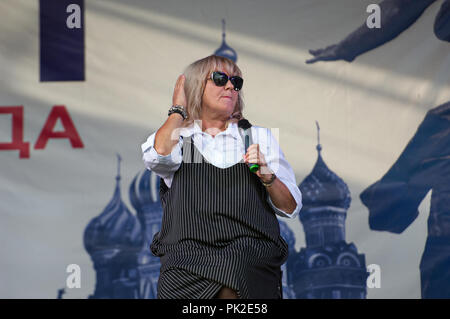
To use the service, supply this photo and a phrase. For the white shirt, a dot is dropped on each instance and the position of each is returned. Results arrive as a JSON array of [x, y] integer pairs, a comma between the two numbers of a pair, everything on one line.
[[224, 150]]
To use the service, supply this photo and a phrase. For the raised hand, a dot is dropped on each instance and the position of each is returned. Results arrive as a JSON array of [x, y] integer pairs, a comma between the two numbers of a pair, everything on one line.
[[179, 97]]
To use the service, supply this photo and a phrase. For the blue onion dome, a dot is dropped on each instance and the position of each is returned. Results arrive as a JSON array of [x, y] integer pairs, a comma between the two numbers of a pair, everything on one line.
[[225, 50], [144, 193], [287, 234], [322, 187], [115, 227]]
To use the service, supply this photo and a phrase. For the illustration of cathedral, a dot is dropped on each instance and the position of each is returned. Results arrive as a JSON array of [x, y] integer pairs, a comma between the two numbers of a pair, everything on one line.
[[328, 267]]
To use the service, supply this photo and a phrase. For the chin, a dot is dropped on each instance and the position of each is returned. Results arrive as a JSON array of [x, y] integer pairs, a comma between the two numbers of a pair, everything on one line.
[[226, 108]]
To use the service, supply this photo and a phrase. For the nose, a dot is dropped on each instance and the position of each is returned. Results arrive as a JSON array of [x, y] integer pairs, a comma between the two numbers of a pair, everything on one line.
[[229, 85]]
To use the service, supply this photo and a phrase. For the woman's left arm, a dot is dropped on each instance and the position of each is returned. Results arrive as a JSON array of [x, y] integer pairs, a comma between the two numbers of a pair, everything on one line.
[[284, 194]]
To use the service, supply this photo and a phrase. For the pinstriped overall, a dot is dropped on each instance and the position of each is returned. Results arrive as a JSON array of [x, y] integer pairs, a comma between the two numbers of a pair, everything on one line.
[[217, 230]]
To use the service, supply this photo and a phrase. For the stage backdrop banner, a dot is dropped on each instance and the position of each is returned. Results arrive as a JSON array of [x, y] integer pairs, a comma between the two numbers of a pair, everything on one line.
[[364, 123]]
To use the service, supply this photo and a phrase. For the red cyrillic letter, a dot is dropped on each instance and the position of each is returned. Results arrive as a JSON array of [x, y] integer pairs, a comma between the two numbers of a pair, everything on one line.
[[70, 132], [17, 142]]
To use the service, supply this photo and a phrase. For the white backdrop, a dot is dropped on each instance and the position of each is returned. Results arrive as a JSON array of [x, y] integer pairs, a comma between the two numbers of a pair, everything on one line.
[[367, 110]]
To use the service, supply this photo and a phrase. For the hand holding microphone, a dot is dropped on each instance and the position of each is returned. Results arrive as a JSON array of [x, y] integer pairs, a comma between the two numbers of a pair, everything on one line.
[[253, 157], [246, 133]]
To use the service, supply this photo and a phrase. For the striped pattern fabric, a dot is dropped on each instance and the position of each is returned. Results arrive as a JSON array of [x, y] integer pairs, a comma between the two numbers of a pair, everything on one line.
[[175, 283], [217, 228]]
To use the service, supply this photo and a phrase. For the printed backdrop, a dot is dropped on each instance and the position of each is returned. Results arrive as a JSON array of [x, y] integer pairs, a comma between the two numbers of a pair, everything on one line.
[[86, 96]]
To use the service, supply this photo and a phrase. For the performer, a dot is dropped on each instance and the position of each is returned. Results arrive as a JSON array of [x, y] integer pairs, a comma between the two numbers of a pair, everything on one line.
[[220, 236]]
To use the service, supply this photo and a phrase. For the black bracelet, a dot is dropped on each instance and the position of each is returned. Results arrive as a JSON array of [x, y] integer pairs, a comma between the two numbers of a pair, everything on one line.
[[178, 109]]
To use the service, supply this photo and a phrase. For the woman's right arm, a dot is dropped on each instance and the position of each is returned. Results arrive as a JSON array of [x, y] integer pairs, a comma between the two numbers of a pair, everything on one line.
[[164, 162], [162, 150]]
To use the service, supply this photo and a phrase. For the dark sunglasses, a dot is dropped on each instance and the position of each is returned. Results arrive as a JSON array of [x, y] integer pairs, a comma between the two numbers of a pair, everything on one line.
[[220, 79]]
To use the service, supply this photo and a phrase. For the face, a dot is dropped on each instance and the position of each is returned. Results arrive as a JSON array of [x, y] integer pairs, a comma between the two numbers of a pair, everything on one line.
[[220, 100]]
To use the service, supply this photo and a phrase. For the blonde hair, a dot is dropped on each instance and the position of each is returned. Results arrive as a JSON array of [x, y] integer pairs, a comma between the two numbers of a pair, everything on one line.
[[195, 82]]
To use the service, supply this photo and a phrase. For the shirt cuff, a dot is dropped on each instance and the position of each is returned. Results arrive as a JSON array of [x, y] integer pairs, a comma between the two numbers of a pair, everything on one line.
[[160, 164], [168, 159], [281, 212], [296, 194]]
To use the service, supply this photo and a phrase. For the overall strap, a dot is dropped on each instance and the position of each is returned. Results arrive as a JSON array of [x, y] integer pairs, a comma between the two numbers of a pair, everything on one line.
[[196, 156], [190, 153], [182, 146]]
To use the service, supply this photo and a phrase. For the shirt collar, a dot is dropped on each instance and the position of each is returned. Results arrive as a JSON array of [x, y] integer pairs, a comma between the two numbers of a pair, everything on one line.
[[195, 128]]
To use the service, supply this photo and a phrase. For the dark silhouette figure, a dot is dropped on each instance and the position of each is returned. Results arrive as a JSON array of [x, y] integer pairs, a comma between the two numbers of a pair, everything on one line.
[[393, 201], [61, 292], [424, 164], [396, 17]]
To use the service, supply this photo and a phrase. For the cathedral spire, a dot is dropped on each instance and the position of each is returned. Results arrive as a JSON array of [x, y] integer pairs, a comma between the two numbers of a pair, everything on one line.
[[223, 30], [318, 147], [119, 159], [225, 50]]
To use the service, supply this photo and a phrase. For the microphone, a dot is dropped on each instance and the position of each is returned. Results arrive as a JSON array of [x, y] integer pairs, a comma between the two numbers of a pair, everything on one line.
[[247, 137]]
